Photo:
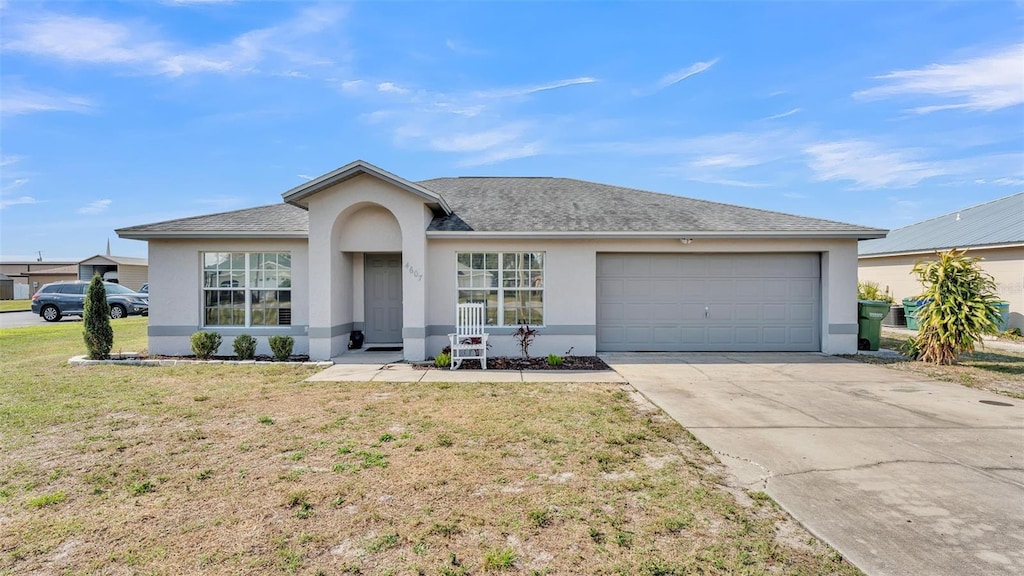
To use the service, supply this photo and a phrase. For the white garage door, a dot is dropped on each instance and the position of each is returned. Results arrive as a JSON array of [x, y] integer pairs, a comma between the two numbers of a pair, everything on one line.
[[708, 302]]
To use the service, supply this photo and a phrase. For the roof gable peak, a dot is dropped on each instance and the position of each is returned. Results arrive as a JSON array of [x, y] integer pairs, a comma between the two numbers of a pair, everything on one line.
[[298, 195]]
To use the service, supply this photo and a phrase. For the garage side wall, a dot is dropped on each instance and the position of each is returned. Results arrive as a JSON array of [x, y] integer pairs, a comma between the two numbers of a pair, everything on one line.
[[570, 299], [176, 296]]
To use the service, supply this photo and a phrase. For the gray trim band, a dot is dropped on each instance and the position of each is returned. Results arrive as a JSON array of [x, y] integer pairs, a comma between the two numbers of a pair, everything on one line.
[[414, 332], [257, 331], [553, 330], [842, 328], [330, 332]]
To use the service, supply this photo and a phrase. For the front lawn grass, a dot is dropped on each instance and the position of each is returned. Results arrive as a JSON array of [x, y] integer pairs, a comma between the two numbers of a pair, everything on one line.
[[15, 305], [248, 469], [999, 371]]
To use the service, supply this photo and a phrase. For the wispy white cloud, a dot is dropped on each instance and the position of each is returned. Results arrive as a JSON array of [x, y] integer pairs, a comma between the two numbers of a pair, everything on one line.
[[391, 88], [16, 100], [784, 114], [475, 125], [305, 176], [97, 207], [139, 47], [6, 199], [1001, 181], [527, 90], [985, 83], [463, 48], [870, 165], [9, 160], [683, 73]]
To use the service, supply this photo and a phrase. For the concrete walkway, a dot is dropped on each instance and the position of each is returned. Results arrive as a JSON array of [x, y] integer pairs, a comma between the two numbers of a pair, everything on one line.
[[901, 474], [397, 372]]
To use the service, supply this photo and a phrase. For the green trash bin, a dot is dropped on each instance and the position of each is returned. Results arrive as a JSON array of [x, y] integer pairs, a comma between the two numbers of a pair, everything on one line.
[[869, 323], [910, 306], [1003, 320]]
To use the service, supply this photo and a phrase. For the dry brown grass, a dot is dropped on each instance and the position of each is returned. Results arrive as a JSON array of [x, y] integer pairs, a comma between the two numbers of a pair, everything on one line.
[[250, 470], [990, 369]]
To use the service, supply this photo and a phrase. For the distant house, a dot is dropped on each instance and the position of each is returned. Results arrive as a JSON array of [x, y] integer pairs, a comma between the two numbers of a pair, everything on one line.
[[22, 272], [595, 267], [130, 272], [38, 278], [993, 231]]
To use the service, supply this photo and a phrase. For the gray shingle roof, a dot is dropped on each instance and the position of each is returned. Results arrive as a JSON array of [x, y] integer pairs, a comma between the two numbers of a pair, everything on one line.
[[569, 205], [541, 205], [271, 219], [992, 223]]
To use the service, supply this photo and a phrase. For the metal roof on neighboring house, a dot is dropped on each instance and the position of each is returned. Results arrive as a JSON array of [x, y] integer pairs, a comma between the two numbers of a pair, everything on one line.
[[120, 260], [521, 205], [72, 269], [999, 222]]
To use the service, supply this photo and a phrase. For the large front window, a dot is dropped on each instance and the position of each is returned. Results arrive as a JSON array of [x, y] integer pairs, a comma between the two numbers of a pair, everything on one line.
[[510, 285], [247, 288]]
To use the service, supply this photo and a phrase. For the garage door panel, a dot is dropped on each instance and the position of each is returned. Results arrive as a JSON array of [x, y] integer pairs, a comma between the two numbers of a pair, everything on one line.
[[610, 313], [665, 288], [667, 312], [753, 302], [774, 335], [747, 312], [803, 288], [802, 336], [692, 335]]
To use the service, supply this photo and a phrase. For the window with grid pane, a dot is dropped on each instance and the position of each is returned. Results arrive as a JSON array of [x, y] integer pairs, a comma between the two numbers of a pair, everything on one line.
[[510, 285], [247, 289]]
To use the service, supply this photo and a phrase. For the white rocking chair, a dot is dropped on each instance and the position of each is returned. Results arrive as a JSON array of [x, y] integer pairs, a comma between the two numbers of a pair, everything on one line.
[[469, 342]]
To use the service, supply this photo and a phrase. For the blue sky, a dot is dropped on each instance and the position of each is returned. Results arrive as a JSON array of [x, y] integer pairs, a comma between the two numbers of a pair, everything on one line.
[[122, 113]]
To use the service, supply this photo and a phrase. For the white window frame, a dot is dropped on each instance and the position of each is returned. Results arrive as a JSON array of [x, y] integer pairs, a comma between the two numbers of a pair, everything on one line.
[[500, 288], [247, 290]]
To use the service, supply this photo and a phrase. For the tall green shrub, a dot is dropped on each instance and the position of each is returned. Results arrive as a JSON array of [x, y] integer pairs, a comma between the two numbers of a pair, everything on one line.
[[959, 306], [205, 344], [99, 336]]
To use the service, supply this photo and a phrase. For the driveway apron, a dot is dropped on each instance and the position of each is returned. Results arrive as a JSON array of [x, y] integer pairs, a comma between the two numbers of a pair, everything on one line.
[[901, 474]]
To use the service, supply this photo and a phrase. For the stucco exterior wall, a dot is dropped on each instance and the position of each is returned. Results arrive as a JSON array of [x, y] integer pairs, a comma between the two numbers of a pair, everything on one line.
[[1006, 265], [332, 258], [176, 300], [570, 299]]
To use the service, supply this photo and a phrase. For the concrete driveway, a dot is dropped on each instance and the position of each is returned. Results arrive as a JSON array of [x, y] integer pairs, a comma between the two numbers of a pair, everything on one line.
[[901, 474]]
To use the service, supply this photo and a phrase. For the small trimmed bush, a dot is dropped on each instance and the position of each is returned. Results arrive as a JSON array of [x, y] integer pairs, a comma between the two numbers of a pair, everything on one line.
[[205, 344], [245, 347], [281, 346], [554, 360], [443, 360], [99, 336]]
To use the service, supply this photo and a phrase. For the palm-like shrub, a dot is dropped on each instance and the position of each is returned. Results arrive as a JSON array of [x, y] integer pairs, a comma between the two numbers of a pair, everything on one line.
[[99, 336], [959, 306]]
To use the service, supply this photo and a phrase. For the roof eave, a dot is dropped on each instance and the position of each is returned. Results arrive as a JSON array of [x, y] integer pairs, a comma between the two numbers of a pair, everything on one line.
[[186, 234], [681, 234], [297, 196]]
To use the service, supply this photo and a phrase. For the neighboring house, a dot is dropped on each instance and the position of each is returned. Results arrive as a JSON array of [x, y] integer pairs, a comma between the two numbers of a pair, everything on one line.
[[993, 231], [38, 278], [130, 272], [594, 267], [20, 270]]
